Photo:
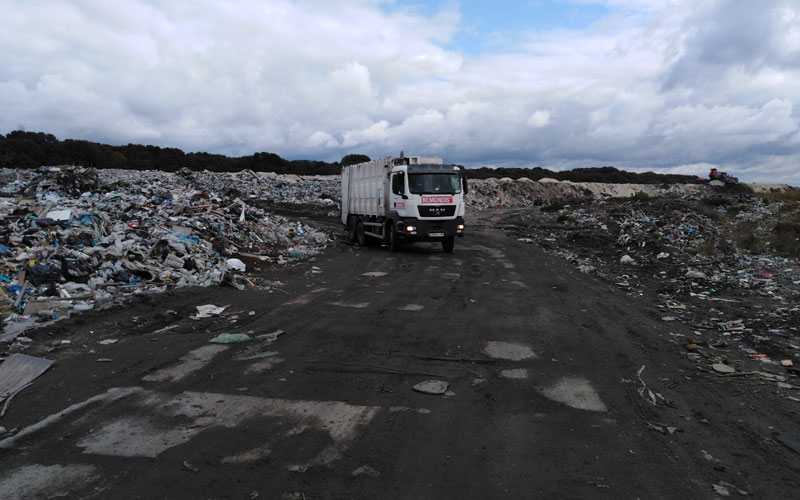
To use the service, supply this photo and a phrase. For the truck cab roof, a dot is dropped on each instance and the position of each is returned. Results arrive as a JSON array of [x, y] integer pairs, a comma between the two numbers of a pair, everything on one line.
[[431, 168]]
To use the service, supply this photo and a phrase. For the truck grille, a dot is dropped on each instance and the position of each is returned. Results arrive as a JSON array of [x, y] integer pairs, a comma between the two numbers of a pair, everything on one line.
[[437, 211]]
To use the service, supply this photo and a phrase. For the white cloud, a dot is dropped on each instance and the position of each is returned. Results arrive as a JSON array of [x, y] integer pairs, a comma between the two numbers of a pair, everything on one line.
[[539, 119], [697, 169], [376, 133], [654, 85], [321, 140], [720, 132]]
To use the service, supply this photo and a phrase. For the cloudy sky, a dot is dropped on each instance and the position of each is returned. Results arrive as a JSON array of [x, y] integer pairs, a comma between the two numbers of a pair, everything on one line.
[[664, 85]]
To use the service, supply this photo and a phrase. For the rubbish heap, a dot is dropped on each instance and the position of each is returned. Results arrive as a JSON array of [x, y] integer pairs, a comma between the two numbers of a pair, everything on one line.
[[258, 187], [734, 303], [74, 238], [524, 192]]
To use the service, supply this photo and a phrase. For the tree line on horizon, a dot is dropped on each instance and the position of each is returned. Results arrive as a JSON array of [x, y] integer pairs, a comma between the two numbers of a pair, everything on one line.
[[22, 149]]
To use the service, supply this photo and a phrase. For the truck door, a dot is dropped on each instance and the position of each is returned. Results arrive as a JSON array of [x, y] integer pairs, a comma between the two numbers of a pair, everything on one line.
[[397, 198]]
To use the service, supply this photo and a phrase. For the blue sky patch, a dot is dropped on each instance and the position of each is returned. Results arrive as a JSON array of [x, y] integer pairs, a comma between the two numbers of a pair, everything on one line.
[[489, 27]]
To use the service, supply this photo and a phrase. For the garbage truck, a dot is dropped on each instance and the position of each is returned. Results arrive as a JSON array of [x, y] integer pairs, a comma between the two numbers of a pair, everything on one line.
[[403, 199]]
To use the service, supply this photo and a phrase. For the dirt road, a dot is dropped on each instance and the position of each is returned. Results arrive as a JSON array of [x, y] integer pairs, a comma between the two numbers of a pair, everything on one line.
[[559, 387]]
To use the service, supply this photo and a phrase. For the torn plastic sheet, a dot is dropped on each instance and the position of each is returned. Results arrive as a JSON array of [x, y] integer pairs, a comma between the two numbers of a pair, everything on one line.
[[233, 338], [270, 337], [59, 215], [17, 372], [230, 338], [15, 329], [208, 310], [236, 265]]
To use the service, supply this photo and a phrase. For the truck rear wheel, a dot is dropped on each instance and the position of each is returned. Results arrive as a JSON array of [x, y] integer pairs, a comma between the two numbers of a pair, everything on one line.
[[361, 237], [448, 244], [352, 225]]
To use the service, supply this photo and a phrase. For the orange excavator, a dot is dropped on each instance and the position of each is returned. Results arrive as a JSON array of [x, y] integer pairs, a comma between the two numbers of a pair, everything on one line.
[[713, 175]]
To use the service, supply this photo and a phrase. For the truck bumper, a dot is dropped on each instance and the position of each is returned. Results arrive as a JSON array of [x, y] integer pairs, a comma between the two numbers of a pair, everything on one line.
[[429, 230]]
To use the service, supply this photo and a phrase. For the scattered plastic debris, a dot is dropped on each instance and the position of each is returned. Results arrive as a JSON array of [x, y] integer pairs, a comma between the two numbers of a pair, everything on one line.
[[722, 368], [231, 338], [270, 337], [236, 265], [208, 310], [365, 470], [663, 428], [432, 387], [188, 466], [724, 489]]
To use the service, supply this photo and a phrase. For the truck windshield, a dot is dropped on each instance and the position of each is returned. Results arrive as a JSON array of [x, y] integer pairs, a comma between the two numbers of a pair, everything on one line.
[[434, 183]]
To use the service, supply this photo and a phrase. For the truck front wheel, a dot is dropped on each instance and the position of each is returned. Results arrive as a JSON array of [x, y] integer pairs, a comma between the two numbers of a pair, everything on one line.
[[448, 243]]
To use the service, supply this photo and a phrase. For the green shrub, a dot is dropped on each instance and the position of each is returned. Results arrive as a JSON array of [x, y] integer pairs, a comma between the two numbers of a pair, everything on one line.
[[790, 209], [735, 210], [715, 201], [554, 206], [708, 247], [744, 237], [565, 218]]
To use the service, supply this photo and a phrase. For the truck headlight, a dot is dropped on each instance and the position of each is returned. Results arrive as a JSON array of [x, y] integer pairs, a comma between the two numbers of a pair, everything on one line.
[[411, 229], [460, 227]]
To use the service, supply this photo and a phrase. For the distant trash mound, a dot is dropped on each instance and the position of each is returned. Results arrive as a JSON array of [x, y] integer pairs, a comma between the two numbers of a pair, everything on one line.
[[73, 238]]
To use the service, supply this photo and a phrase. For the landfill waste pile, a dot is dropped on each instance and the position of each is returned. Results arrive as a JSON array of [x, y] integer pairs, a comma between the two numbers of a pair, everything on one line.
[[523, 192], [318, 193], [719, 265], [75, 238]]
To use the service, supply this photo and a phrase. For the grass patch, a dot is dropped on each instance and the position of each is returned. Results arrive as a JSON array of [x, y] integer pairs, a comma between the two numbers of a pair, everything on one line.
[[565, 218], [715, 201], [708, 247], [637, 196], [781, 238], [744, 237], [790, 209], [786, 239], [791, 195], [554, 206], [735, 210]]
